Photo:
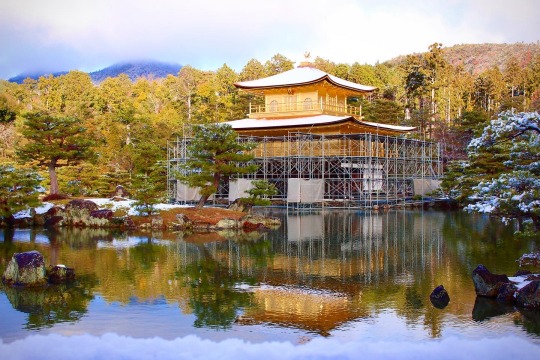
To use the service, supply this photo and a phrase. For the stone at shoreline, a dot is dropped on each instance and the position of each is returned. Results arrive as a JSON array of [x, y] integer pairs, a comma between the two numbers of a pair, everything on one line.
[[102, 214], [439, 297], [82, 204], [54, 221], [529, 295], [157, 222], [227, 224], [60, 274], [507, 293], [522, 272], [486, 283], [239, 205], [258, 222], [26, 269]]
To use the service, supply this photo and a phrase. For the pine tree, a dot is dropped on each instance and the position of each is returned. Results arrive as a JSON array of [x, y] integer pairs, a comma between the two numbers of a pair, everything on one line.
[[54, 142], [215, 155], [19, 190]]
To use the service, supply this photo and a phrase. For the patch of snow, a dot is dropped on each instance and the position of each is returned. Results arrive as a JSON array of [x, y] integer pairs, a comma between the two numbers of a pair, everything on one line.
[[519, 281], [128, 205], [39, 210]]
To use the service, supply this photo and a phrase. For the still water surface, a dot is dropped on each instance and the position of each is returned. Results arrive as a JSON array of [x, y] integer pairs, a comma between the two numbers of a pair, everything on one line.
[[339, 274]]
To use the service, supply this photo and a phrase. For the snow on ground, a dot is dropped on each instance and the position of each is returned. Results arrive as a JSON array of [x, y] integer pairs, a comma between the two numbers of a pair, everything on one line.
[[127, 204], [103, 203], [39, 210], [113, 346]]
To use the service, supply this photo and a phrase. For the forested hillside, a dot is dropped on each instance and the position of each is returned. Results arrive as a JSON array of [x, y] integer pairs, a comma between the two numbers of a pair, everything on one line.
[[130, 121], [133, 70], [477, 58]]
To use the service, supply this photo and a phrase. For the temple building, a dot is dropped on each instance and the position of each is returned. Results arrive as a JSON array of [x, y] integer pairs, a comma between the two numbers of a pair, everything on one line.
[[317, 149]]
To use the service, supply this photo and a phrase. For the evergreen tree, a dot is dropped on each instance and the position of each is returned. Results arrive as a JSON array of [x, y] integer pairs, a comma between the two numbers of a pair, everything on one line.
[[54, 142], [19, 190], [258, 195], [215, 155]]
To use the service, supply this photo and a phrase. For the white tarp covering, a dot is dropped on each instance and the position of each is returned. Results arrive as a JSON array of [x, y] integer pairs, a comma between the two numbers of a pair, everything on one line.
[[186, 193], [372, 175], [425, 186], [305, 190], [238, 188], [305, 227]]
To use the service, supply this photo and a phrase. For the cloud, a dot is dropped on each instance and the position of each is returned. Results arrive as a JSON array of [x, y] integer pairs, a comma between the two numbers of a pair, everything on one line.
[[113, 346], [89, 34]]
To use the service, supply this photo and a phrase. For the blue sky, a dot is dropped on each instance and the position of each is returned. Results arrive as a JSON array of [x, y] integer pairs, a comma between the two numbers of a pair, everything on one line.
[[88, 35]]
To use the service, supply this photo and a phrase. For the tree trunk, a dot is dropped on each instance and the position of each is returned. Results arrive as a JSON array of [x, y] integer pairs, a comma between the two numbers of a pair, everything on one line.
[[201, 202], [53, 178]]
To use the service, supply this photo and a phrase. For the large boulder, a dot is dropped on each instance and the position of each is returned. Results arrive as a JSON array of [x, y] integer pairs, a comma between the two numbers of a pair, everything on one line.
[[82, 204], [486, 283], [61, 274], [439, 297], [227, 224], [102, 214], [507, 293], [529, 295], [26, 269], [258, 222]]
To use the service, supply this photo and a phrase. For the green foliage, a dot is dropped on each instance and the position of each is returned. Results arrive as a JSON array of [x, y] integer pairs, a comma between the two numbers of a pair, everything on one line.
[[258, 195], [502, 175], [149, 188], [383, 111], [215, 155], [278, 64], [19, 190], [54, 142], [7, 115]]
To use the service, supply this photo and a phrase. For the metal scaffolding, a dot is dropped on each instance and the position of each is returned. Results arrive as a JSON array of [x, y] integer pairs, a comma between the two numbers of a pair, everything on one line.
[[353, 170]]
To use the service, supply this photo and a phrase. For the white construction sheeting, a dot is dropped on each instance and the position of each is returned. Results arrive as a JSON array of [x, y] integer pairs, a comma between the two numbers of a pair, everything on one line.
[[305, 227], [238, 188], [186, 193], [425, 186], [372, 175], [306, 191]]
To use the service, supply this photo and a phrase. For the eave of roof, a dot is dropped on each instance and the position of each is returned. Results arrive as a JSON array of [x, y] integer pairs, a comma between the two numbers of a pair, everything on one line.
[[319, 120], [299, 77]]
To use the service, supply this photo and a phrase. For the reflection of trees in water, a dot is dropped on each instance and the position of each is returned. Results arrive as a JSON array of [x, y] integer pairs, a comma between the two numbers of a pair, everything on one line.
[[377, 261], [213, 297], [53, 304]]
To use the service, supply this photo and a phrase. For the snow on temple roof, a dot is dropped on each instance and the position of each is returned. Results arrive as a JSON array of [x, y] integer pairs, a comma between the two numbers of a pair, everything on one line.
[[301, 76], [308, 121]]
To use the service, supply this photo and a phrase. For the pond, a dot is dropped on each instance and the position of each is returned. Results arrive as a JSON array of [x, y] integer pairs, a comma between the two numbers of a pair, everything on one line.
[[348, 275]]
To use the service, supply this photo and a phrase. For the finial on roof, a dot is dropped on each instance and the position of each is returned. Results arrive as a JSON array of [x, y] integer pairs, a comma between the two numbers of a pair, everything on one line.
[[306, 62]]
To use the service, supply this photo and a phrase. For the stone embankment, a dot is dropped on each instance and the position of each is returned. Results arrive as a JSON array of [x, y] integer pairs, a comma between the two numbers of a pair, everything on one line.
[[85, 213], [521, 290]]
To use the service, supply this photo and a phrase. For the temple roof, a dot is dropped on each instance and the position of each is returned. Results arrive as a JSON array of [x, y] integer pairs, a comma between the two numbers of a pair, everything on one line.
[[301, 76], [318, 120]]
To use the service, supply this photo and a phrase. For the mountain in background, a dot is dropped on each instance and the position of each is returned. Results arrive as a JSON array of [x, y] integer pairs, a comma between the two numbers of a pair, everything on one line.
[[134, 70], [477, 58]]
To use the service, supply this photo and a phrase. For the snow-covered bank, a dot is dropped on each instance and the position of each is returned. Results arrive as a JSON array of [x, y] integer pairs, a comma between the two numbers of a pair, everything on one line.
[[128, 205], [113, 346]]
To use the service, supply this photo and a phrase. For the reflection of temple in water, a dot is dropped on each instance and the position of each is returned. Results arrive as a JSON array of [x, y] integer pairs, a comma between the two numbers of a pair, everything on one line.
[[316, 268]]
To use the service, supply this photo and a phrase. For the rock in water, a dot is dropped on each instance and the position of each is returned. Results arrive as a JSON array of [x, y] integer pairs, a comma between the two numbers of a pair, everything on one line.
[[439, 297], [60, 274], [27, 269], [529, 295], [507, 294], [486, 283]]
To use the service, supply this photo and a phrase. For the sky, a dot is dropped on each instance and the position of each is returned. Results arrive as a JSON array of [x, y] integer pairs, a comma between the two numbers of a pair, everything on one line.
[[88, 35]]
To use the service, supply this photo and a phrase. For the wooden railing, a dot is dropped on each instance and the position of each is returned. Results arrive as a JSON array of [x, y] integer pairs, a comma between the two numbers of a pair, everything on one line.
[[303, 108]]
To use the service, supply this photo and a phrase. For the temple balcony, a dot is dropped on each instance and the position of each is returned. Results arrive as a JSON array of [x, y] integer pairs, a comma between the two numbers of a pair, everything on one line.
[[299, 109]]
